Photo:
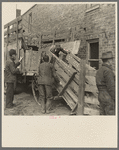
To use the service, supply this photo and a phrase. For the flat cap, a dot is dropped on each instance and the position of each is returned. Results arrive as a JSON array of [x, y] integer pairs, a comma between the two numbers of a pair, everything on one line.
[[12, 52]]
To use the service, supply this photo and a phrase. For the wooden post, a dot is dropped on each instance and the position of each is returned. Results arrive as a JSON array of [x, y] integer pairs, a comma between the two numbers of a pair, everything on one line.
[[17, 38], [54, 33], [80, 108], [40, 41], [7, 43], [39, 50]]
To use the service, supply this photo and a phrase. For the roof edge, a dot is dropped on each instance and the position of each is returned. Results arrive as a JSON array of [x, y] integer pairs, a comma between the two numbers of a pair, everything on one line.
[[28, 10]]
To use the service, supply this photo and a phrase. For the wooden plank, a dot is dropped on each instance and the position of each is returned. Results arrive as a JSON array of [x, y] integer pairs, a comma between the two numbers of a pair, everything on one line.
[[68, 46], [91, 111], [13, 30], [73, 62], [67, 98], [80, 108], [91, 87], [66, 85], [93, 59], [91, 100], [65, 66], [69, 91], [74, 84], [12, 22], [13, 37], [76, 47]]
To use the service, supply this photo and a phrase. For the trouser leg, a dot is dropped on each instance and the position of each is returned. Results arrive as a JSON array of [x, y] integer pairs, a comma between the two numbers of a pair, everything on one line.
[[107, 106], [41, 89], [110, 109], [48, 97], [9, 95]]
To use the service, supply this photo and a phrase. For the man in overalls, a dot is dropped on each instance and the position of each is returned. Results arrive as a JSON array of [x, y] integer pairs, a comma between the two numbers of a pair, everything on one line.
[[105, 81], [46, 73]]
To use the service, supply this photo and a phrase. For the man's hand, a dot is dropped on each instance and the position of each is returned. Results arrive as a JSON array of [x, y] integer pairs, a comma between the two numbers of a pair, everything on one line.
[[20, 59]]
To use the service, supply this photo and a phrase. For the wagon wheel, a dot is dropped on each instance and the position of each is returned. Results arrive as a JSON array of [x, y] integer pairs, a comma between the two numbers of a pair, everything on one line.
[[35, 89]]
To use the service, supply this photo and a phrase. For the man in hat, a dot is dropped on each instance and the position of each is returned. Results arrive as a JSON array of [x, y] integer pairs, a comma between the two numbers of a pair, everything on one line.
[[105, 81], [46, 73], [10, 77]]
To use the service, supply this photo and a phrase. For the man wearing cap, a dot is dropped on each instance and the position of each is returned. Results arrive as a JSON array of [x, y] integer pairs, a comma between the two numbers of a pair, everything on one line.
[[10, 77], [46, 73], [105, 81], [56, 49]]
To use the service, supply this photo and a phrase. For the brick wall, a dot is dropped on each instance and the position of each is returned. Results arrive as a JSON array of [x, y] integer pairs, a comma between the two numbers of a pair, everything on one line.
[[98, 23]]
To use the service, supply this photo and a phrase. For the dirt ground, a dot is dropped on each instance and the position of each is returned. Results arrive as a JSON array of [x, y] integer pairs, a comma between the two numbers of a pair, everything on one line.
[[27, 106]]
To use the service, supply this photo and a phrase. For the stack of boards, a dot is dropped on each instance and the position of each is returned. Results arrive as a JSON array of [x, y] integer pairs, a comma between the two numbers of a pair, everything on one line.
[[70, 69]]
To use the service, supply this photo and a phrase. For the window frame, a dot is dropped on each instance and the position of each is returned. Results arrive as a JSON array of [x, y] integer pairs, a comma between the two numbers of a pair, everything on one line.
[[88, 47]]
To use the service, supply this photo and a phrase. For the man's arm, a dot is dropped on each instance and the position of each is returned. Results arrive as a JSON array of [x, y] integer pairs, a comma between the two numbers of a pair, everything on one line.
[[17, 64], [65, 52], [54, 74], [110, 82], [13, 69]]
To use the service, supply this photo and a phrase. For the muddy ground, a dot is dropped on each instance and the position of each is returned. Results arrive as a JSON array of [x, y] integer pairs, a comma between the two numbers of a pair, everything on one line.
[[27, 106]]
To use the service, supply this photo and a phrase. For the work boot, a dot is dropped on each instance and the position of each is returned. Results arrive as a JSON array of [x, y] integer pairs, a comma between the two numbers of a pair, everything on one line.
[[43, 111], [49, 111]]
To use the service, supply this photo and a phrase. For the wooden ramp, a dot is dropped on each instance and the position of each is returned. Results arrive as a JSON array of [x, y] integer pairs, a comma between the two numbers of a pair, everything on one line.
[[68, 72]]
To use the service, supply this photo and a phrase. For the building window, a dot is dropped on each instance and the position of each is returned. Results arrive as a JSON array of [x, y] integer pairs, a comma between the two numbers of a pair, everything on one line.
[[93, 53], [30, 23]]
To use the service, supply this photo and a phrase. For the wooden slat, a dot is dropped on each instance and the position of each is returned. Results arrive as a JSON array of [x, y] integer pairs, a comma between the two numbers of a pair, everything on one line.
[[91, 100], [73, 62], [13, 30], [13, 37], [70, 92], [66, 85], [65, 67], [67, 98], [93, 59], [12, 22], [91, 111], [91, 87], [68, 46]]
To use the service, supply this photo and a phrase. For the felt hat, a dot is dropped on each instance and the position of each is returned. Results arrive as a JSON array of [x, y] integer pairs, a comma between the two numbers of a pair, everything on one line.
[[107, 55]]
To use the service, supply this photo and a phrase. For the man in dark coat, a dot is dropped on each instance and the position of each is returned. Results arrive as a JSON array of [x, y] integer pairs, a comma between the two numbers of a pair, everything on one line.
[[10, 77], [105, 81], [56, 49], [46, 73]]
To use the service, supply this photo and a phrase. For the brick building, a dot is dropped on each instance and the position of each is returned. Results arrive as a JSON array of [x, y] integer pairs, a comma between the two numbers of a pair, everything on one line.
[[93, 24]]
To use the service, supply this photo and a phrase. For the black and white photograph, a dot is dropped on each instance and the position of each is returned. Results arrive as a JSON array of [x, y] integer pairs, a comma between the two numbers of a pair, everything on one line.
[[60, 60]]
